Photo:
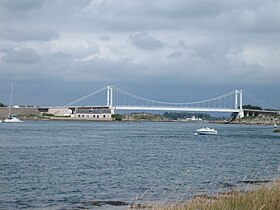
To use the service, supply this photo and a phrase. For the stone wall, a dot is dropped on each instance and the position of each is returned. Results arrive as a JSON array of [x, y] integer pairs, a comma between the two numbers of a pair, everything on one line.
[[59, 111], [4, 111]]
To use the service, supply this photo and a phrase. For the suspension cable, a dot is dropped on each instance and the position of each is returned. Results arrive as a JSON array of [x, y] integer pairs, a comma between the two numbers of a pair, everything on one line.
[[85, 97], [258, 100], [172, 103]]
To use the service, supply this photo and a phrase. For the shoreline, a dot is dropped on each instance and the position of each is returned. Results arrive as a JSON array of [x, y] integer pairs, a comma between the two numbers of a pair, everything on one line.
[[235, 122], [256, 196]]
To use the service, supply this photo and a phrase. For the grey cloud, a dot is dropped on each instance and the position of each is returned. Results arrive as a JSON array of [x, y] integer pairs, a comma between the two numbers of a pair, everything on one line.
[[54, 15], [146, 42], [142, 15], [184, 41], [104, 37], [182, 44], [21, 4], [262, 17], [265, 19], [61, 11], [22, 56], [65, 67], [104, 69], [22, 33], [187, 9], [175, 55]]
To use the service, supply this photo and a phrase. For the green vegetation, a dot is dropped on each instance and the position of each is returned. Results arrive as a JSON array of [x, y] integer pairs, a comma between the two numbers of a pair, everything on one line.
[[276, 130], [117, 117], [47, 115], [262, 198], [54, 116], [249, 106], [2, 105], [167, 116], [144, 117], [183, 115]]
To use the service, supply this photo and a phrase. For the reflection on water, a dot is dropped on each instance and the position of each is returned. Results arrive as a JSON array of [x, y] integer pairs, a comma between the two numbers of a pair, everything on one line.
[[66, 165]]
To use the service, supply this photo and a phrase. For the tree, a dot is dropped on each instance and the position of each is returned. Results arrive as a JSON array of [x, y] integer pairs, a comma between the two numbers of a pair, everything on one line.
[[249, 106], [117, 117], [2, 105]]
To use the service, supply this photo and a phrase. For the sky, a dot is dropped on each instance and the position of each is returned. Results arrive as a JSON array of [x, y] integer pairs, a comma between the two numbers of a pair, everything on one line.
[[55, 51]]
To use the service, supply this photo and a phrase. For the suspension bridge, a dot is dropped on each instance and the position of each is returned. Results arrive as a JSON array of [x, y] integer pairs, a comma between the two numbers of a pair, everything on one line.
[[231, 102]]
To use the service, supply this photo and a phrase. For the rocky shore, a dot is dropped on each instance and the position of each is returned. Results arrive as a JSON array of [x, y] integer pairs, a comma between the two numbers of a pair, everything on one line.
[[259, 120]]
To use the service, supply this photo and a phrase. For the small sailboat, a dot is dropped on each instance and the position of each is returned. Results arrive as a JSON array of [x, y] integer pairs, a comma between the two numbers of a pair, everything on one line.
[[11, 118]]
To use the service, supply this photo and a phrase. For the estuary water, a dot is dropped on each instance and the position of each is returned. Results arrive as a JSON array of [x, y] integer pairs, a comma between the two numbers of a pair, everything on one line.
[[100, 165]]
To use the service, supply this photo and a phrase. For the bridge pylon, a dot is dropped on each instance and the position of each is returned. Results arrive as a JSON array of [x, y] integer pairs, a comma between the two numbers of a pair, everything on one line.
[[110, 99], [241, 111]]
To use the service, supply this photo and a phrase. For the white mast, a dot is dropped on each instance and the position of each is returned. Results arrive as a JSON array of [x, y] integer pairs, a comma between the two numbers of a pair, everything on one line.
[[11, 96]]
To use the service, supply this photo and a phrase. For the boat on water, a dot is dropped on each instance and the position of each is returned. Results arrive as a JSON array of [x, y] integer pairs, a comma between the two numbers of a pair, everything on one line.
[[206, 131], [11, 118]]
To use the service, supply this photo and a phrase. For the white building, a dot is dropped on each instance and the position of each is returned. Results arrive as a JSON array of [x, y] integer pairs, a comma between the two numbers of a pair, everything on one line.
[[92, 112]]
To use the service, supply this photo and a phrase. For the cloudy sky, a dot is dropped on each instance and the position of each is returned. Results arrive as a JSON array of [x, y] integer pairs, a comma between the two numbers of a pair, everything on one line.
[[55, 51]]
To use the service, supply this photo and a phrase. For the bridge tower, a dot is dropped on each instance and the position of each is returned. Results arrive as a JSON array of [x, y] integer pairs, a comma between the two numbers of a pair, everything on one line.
[[110, 99], [241, 111], [236, 99]]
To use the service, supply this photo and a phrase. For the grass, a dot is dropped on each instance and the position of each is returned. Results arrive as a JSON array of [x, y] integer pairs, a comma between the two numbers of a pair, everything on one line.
[[264, 197]]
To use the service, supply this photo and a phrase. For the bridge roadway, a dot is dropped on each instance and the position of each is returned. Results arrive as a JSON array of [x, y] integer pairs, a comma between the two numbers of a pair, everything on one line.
[[190, 109], [262, 111]]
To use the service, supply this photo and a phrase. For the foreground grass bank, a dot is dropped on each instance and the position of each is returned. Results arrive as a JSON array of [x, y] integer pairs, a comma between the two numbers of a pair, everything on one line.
[[259, 198]]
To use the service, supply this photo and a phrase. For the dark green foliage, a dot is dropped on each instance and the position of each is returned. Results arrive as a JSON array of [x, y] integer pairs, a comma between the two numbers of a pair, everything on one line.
[[2, 105], [48, 115], [249, 106], [182, 115], [117, 117]]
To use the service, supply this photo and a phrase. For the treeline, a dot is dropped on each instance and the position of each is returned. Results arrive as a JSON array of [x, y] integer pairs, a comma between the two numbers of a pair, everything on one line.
[[183, 115], [249, 106]]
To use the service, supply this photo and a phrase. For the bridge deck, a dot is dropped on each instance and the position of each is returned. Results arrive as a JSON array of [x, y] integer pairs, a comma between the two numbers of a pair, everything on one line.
[[193, 109]]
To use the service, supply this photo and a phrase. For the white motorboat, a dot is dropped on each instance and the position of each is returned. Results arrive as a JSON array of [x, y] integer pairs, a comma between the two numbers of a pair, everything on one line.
[[206, 131]]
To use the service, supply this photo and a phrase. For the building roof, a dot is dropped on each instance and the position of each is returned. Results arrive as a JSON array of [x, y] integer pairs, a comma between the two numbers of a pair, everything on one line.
[[92, 110]]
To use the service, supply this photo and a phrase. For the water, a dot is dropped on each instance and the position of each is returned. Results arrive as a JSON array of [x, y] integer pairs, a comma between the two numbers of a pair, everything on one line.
[[70, 165]]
